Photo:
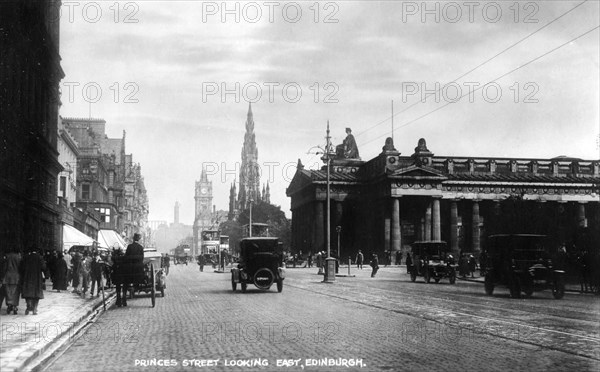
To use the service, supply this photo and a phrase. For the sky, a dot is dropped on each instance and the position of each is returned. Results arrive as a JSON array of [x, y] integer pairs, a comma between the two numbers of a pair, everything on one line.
[[178, 77]]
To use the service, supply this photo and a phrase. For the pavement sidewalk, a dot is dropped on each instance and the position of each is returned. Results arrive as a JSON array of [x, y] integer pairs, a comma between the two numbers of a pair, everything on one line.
[[25, 339]]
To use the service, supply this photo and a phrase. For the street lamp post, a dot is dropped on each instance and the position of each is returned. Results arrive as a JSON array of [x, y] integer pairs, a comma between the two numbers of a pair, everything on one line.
[[329, 261]]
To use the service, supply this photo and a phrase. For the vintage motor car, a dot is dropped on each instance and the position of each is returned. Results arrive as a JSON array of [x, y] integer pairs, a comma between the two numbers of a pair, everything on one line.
[[523, 263], [260, 263], [432, 261]]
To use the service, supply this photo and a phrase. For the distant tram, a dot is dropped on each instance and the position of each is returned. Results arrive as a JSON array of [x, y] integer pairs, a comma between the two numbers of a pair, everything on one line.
[[210, 242]]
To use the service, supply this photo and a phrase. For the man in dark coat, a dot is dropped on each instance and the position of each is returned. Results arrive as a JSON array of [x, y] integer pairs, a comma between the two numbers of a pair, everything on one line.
[[374, 265], [32, 268], [134, 259]]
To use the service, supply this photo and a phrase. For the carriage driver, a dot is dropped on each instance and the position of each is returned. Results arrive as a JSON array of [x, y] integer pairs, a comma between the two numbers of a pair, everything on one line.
[[134, 258]]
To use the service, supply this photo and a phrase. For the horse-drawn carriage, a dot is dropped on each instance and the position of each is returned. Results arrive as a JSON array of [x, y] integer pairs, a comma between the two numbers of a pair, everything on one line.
[[147, 277]]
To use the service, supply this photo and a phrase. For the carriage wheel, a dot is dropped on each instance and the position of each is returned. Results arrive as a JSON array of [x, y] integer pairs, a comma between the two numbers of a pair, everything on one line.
[[153, 290]]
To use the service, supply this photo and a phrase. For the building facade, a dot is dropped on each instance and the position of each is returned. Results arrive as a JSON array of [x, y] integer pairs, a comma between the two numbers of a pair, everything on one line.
[[108, 181], [387, 203], [30, 74]]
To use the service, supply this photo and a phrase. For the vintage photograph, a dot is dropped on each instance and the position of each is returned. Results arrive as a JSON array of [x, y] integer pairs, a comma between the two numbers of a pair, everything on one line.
[[299, 185]]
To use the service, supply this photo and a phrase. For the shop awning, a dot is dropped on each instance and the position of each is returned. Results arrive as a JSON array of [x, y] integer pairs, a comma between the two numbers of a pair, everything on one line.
[[72, 236], [110, 239]]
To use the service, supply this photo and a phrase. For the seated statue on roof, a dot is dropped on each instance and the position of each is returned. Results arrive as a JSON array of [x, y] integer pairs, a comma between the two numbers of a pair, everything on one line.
[[347, 149]]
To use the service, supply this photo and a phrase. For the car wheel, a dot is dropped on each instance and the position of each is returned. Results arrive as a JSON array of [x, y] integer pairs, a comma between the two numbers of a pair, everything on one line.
[[427, 276], [244, 287], [489, 285], [279, 286], [413, 275], [558, 288]]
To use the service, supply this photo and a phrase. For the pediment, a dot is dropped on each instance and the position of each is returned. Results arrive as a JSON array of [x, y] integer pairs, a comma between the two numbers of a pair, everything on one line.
[[301, 179], [417, 172]]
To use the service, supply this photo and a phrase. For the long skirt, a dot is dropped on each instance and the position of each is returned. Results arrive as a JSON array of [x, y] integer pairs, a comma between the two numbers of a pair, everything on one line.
[[12, 294]]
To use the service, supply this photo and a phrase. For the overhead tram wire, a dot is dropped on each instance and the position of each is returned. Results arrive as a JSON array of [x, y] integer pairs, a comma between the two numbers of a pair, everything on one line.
[[478, 66], [491, 81]]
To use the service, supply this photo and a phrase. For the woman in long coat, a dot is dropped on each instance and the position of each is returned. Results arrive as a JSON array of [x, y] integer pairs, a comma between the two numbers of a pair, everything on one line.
[[32, 267], [11, 281], [59, 279]]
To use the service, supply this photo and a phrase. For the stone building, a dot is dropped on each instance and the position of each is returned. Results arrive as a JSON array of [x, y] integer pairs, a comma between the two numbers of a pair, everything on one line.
[[108, 181], [390, 201], [30, 74]]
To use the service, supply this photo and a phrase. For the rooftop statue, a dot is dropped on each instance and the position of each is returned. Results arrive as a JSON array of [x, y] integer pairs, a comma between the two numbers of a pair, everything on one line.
[[348, 148]]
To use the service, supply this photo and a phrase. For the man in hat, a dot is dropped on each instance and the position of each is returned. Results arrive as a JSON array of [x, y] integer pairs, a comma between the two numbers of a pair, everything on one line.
[[134, 269]]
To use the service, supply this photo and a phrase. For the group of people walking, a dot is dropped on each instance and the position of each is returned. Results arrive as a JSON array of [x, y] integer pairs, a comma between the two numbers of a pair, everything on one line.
[[22, 276]]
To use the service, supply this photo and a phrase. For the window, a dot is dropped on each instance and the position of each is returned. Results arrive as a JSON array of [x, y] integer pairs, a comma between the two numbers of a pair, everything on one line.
[[85, 191], [63, 187], [105, 214]]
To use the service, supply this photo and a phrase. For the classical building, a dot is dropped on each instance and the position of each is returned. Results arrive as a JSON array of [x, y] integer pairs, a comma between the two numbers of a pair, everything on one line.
[[387, 203], [249, 182], [30, 73]]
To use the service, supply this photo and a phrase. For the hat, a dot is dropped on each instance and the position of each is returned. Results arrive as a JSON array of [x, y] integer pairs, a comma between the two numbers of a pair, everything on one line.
[[348, 130], [136, 237]]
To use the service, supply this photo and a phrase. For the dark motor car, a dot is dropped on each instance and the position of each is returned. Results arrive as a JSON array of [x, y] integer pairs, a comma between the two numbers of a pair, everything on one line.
[[522, 262], [430, 259], [260, 263]]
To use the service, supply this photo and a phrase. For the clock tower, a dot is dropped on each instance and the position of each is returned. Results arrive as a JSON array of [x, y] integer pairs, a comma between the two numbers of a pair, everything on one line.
[[204, 206]]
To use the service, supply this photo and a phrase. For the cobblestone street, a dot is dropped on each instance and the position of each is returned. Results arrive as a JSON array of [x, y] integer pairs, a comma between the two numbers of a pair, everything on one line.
[[362, 323]]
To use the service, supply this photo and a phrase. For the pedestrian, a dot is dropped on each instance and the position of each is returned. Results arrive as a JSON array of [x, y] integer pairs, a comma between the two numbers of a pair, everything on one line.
[[309, 259], [374, 265], [97, 267], [10, 281], [359, 260], [201, 262], [388, 258], [59, 279], [68, 260], [76, 261], [398, 258], [320, 262], [168, 263], [85, 268], [408, 263], [472, 265], [32, 271]]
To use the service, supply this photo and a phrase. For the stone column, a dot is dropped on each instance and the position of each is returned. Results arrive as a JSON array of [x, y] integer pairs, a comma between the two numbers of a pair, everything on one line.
[[427, 234], [581, 221], [454, 227], [437, 225], [475, 227], [319, 232], [396, 234]]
